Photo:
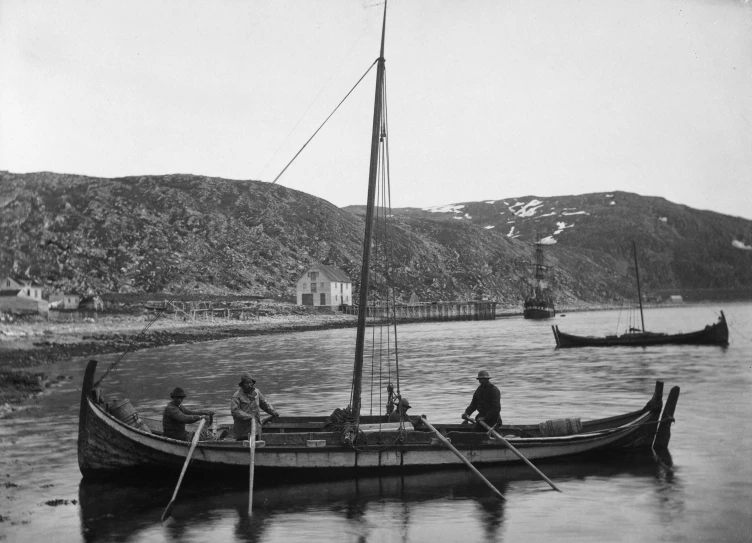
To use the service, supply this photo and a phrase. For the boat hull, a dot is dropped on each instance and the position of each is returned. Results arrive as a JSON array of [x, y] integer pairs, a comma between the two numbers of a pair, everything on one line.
[[538, 308], [108, 446], [539, 313], [713, 334]]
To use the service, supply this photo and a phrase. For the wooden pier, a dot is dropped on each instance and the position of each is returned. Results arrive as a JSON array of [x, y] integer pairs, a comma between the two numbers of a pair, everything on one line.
[[435, 311]]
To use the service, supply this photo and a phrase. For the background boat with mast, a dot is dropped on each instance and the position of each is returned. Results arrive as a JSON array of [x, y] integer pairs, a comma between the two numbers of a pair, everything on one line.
[[539, 304], [713, 334]]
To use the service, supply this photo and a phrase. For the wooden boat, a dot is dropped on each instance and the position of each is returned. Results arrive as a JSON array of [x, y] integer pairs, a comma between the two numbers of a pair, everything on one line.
[[712, 334], [539, 305], [108, 445]]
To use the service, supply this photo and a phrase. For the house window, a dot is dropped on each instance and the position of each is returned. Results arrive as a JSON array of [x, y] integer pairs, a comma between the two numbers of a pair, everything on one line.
[[313, 287], [322, 284], [304, 286], [313, 275], [36, 293], [336, 298]]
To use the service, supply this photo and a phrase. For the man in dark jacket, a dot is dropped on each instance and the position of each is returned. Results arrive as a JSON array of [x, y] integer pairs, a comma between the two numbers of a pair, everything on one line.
[[176, 416], [400, 414], [487, 400]]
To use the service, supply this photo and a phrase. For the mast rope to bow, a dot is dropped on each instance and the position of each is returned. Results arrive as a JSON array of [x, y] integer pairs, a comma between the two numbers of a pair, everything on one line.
[[325, 121]]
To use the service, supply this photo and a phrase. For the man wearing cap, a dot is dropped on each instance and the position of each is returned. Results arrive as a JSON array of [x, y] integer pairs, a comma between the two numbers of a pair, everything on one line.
[[246, 405], [400, 414], [487, 400], [176, 416]]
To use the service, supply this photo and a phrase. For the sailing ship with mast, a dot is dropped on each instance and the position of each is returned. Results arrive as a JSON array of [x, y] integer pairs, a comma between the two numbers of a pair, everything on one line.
[[350, 440], [713, 334], [539, 305]]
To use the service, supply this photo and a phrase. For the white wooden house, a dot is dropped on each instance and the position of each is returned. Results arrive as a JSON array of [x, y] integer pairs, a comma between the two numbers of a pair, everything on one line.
[[324, 286], [22, 295]]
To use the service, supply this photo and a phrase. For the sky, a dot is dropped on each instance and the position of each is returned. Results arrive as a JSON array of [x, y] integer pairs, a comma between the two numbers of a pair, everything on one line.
[[487, 99]]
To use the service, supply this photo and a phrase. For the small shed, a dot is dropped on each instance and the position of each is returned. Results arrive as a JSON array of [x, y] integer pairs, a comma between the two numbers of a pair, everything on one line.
[[64, 300], [676, 299], [321, 285]]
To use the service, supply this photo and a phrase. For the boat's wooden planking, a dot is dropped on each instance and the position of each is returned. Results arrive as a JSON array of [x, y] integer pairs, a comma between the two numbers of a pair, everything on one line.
[[113, 445]]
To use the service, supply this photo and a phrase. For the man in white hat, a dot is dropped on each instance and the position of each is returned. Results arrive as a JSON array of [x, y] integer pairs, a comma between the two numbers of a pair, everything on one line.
[[245, 405], [487, 400]]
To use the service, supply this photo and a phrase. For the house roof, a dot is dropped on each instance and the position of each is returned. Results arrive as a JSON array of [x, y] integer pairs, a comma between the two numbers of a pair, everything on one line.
[[334, 274], [24, 281]]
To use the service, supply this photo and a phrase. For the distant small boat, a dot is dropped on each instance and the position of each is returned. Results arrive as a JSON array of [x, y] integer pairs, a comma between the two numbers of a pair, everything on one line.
[[539, 305], [712, 334]]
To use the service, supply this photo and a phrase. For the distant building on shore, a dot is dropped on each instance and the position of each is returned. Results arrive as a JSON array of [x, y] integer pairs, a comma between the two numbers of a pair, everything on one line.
[[64, 300], [20, 295], [321, 285]]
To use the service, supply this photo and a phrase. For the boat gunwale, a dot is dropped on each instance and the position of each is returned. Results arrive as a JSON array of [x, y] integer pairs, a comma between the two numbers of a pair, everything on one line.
[[523, 442]]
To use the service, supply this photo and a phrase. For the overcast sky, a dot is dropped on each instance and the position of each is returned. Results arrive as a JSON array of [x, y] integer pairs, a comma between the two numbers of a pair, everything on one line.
[[487, 99]]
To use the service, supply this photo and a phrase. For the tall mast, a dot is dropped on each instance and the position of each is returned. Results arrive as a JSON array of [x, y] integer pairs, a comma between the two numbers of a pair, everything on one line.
[[639, 293], [365, 271], [538, 264]]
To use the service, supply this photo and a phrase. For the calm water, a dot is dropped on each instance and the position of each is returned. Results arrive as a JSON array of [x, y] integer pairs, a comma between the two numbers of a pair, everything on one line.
[[701, 492]]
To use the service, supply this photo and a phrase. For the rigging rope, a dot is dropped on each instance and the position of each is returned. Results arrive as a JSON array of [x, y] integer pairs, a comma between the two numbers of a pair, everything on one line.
[[325, 121]]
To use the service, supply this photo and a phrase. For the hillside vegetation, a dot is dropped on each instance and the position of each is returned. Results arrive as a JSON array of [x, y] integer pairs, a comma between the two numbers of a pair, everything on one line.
[[190, 235]]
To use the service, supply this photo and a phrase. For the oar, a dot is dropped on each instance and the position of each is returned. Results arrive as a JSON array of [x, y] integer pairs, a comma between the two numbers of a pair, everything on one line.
[[252, 446], [194, 441], [462, 457], [515, 451]]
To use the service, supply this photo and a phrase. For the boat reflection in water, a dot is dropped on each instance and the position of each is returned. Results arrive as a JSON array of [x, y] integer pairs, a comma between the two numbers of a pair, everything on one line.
[[118, 511]]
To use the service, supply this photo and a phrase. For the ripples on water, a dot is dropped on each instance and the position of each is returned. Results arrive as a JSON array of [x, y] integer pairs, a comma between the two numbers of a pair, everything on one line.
[[704, 495]]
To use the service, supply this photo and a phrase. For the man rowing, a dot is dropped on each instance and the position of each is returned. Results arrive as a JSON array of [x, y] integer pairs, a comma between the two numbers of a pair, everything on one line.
[[487, 401], [246, 404], [176, 416]]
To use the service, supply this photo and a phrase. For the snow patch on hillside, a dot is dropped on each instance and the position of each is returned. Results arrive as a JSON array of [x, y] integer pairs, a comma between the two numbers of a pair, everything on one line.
[[449, 208], [561, 226]]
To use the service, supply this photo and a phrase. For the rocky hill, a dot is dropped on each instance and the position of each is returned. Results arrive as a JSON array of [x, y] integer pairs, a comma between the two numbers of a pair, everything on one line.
[[189, 235]]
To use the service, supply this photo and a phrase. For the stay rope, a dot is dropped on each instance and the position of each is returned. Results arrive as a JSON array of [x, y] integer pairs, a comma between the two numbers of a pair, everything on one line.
[[325, 121]]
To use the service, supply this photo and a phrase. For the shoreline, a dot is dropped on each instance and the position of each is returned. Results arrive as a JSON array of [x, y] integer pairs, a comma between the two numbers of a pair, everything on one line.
[[26, 347]]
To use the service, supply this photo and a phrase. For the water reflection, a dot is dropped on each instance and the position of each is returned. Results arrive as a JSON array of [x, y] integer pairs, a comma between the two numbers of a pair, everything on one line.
[[125, 512]]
